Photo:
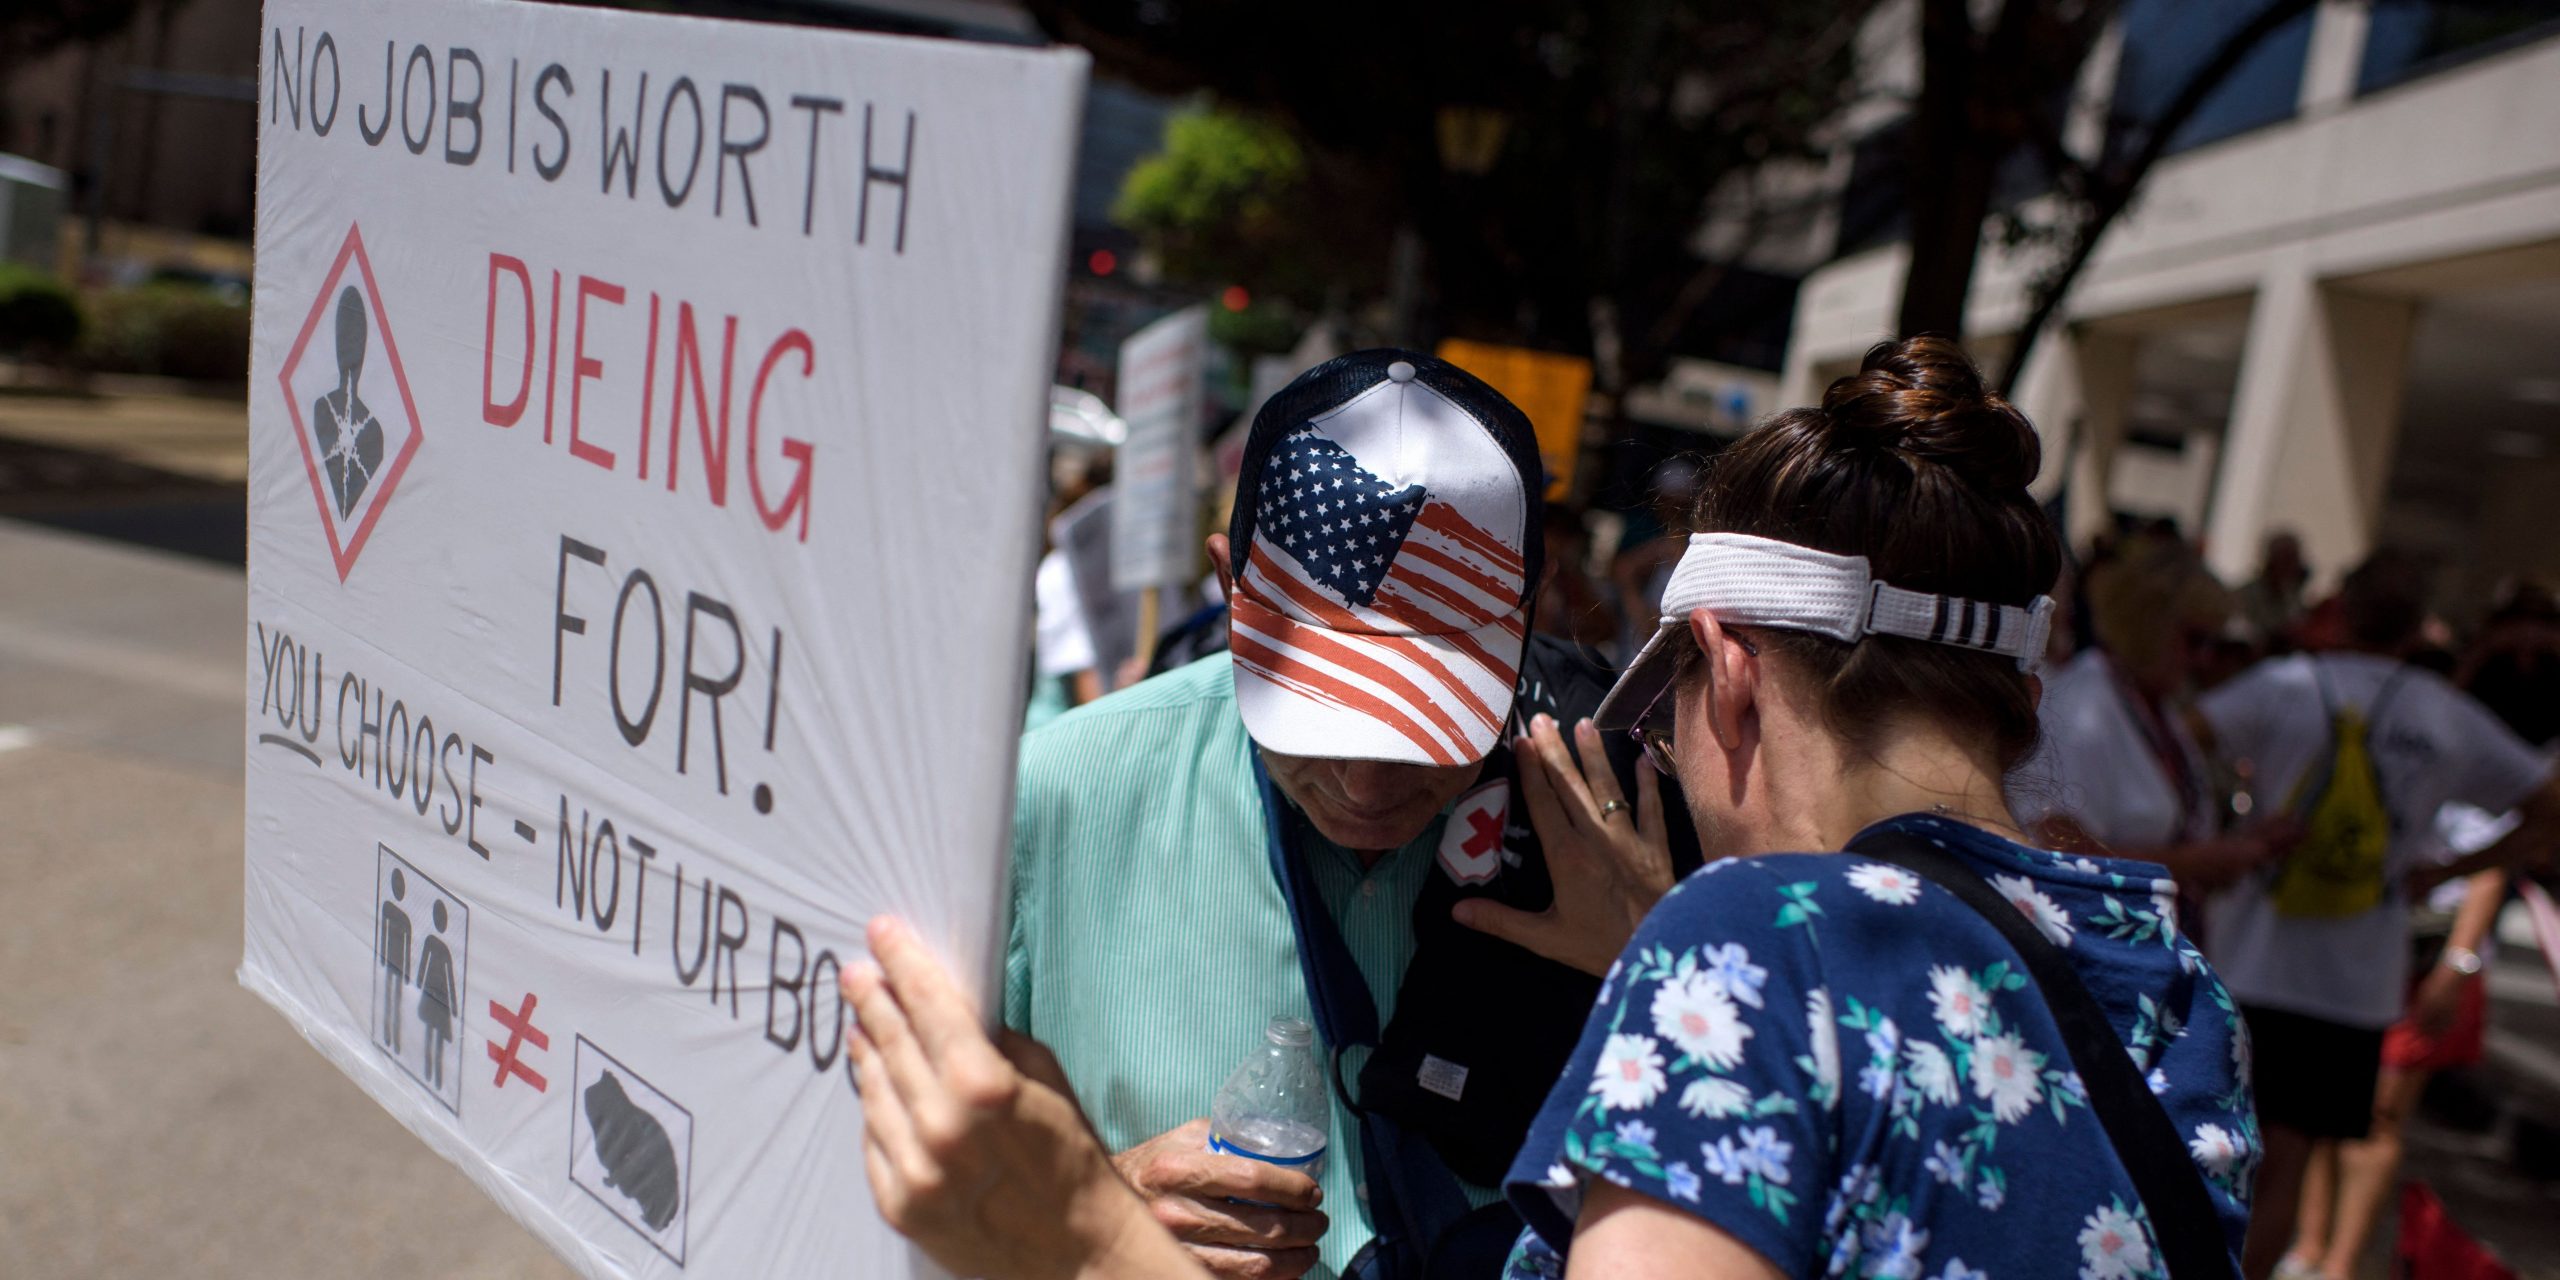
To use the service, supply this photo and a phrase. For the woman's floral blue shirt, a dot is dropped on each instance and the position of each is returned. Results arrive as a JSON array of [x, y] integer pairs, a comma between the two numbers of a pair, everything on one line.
[[1845, 1068]]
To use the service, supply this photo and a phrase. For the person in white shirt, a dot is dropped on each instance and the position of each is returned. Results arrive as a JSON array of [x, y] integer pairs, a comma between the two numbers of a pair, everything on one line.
[[2444, 1028], [2117, 768], [2320, 991]]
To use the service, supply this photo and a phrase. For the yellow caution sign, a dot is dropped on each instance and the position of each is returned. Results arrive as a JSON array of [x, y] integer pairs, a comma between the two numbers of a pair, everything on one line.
[[1552, 389]]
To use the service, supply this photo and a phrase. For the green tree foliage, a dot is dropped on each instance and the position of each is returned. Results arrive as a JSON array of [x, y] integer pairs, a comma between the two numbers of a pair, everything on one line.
[[39, 315], [1225, 202], [1619, 120], [1219, 168]]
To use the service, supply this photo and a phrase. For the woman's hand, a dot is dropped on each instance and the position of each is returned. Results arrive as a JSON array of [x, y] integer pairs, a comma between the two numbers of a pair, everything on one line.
[[982, 1160], [1608, 868], [2437, 1002]]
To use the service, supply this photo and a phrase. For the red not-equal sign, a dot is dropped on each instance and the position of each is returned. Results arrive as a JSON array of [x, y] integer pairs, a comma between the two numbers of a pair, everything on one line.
[[520, 1029]]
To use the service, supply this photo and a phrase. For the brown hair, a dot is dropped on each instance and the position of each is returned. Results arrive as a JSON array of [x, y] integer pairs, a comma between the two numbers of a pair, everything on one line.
[[1913, 463], [2384, 601]]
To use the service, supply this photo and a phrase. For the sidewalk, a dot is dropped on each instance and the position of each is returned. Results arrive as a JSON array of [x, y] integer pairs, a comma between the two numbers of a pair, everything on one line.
[[158, 470], [155, 1119]]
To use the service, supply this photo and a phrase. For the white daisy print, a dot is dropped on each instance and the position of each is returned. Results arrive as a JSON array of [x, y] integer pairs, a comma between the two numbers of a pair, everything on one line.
[[1957, 1270], [1992, 1193], [1826, 1045], [2112, 1246], [1889, 885], [1629, 1076], [1931, 1072], [2215, 1148], [1693, 1013], [2008, 1075], [1713, 1098], [1957, 1001], [2050, 920], [2164, 900]]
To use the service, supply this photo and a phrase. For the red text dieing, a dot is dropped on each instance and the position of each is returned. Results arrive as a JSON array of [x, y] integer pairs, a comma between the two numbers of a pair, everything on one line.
[[689, 388]]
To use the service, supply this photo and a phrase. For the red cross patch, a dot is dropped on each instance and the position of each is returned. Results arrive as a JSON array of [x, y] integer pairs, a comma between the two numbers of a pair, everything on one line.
[[1471, 844]]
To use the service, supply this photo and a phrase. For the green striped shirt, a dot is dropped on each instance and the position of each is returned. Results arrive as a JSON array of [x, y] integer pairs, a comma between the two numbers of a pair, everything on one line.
[[1150, 943]]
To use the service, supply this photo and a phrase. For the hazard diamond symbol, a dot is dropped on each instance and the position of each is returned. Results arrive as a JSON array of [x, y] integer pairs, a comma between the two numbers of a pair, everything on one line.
[[350, 403]]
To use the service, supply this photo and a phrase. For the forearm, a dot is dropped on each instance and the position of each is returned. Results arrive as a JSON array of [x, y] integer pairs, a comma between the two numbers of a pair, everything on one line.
[[1125, 1242], [2479, 914], [2531, 840]]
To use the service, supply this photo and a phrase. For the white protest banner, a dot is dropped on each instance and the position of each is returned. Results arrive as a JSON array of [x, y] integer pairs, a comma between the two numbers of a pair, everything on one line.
[[645, 472], [1163, 386]]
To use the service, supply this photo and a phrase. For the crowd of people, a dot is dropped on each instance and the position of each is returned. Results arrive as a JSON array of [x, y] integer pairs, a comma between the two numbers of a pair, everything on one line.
[[1837, 881]]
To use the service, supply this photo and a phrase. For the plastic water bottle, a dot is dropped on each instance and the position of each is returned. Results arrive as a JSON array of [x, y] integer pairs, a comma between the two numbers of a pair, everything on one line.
[[1275, 1107]]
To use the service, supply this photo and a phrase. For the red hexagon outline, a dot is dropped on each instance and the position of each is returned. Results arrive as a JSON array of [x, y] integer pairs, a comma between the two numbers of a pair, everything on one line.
[[345, 556]]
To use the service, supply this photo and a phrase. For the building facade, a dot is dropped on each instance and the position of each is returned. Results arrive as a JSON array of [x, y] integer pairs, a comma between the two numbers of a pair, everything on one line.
[[2334, 310]]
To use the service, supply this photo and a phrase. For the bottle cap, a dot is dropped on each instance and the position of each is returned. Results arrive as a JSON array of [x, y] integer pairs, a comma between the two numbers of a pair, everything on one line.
[[1290, 1032]]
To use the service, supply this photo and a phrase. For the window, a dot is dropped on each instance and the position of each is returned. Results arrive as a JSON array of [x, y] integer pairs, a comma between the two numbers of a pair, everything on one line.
[[2167, 42], [2412, 38]]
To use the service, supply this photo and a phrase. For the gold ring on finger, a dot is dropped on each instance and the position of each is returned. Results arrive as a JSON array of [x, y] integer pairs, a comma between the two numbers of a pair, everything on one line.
[[1608, 807]]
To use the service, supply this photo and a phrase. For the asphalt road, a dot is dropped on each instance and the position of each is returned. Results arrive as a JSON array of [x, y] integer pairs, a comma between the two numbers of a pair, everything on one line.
[[155, 1119]]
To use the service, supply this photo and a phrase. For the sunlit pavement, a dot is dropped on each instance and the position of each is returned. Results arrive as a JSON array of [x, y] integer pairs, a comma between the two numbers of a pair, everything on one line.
[[155, 1119], [157, 470]]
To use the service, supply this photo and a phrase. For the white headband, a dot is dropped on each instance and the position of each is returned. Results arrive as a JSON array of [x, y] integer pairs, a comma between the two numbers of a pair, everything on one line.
[[1755, 581]]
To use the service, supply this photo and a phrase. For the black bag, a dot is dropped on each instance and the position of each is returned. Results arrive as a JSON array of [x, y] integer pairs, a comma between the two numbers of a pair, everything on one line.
[[2183, 1218], [1482, 1027]]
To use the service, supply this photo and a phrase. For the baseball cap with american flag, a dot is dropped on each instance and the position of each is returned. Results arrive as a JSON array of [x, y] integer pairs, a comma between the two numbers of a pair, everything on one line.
[[1385, 563]]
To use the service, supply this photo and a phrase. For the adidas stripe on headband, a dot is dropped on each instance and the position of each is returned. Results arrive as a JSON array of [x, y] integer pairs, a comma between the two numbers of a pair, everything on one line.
[[1754, 581]]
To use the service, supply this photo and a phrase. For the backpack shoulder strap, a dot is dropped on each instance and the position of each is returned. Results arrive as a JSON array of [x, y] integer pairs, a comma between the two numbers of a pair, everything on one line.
[[2390, 688], [2183, 1219]]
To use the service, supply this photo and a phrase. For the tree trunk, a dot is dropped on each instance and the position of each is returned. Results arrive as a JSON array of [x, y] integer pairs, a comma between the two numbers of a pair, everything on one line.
[[2115, 190], [1949, 182]]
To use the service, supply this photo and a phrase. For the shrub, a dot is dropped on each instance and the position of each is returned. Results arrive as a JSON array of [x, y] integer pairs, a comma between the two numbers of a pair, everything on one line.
[[39, 315], [175, 330]]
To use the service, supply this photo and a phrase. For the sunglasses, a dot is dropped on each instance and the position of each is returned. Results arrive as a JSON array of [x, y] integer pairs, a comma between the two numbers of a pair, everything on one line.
[[1655, 738]]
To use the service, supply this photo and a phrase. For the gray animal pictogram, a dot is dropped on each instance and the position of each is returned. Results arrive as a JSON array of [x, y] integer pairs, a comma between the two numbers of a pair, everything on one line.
[[632, 1146]]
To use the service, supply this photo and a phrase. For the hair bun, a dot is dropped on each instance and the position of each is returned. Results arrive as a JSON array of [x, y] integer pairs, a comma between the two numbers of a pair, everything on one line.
[[1923, 400]]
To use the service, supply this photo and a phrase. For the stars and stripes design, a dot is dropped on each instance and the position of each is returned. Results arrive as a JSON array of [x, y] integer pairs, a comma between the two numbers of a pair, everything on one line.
[[1380, 600]]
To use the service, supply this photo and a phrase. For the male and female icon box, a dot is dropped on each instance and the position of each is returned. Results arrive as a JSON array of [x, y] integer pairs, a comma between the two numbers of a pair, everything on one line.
[[422, 939]]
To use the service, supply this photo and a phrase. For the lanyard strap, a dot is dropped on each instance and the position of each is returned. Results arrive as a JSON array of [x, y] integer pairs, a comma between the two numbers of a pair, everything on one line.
[[1345, 1013], [1412, 1197], [2183, 1219]]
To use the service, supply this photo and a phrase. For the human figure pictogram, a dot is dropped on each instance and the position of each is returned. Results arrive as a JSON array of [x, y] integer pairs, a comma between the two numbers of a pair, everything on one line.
[[435, 996], [391, 947], [350, 436]]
